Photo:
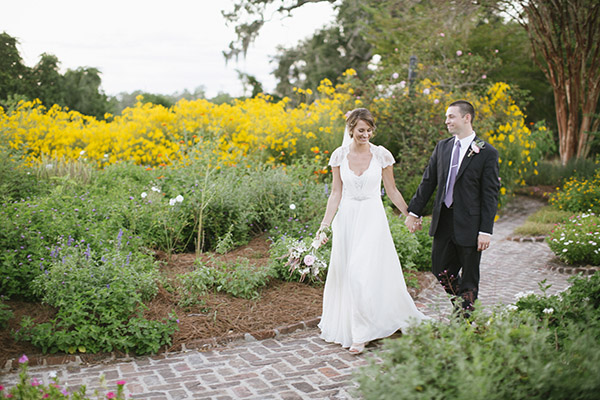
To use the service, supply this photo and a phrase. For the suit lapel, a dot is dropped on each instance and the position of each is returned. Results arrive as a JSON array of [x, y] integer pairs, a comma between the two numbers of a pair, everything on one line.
[[446, 156], [466, 161]]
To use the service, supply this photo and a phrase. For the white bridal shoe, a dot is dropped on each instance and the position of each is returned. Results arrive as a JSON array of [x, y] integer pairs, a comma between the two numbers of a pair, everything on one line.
[[357, 348]]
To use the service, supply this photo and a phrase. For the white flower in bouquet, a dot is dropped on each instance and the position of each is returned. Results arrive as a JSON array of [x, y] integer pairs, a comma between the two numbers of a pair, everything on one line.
[[304, 259]]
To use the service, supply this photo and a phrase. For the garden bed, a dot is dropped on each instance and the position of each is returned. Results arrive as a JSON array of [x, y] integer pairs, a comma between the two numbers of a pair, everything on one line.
[[222, 317]]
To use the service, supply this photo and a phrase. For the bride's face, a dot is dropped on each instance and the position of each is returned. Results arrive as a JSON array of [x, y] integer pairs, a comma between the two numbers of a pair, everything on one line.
[[362, 132]]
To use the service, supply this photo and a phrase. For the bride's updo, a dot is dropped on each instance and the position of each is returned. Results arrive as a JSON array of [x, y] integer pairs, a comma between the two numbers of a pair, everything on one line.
[[359, 114]]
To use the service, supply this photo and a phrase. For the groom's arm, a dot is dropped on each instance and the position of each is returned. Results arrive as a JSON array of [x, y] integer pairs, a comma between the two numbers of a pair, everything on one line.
[[427, 186], [490, 187]]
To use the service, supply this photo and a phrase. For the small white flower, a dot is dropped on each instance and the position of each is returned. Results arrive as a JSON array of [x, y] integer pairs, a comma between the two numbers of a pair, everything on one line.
[[155, 189], [402, 84], [52, 374], [458, 53], [565, 250], [436, 101], [179, 198], [548, 310], [395, 75], [376, 59], [512, 307], [144, 194], [106, 156], [523, 294], [82, 152], [172, 202], [49, 166], [426, 91], [292, 206]]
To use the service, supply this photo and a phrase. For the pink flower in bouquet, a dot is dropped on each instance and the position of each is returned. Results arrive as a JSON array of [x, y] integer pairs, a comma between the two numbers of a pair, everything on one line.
[[309, 259]]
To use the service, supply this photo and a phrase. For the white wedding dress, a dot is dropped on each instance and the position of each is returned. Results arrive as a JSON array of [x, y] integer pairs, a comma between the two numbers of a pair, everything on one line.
[[365, 295]]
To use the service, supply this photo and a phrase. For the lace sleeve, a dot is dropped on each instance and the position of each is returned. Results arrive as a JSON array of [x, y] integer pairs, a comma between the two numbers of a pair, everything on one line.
[[336, 157], [385, 157]]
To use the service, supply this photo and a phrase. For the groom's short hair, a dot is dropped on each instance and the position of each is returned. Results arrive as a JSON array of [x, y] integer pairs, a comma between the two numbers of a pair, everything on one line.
[[465, 108]]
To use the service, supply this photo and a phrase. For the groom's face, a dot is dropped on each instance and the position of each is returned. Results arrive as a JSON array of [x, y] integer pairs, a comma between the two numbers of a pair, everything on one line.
[[455, 122]]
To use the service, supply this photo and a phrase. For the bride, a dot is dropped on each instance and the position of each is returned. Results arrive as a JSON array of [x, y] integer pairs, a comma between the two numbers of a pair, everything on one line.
[[365, 295]]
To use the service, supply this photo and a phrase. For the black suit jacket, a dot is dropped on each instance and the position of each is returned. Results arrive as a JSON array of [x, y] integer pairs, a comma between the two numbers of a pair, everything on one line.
[[475, 191]]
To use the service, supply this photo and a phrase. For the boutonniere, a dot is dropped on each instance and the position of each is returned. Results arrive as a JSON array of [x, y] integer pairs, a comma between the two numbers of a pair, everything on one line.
[[476, 145]]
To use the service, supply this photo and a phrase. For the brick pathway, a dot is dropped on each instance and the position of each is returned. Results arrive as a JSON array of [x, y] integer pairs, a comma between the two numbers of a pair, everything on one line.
[[300, 365]]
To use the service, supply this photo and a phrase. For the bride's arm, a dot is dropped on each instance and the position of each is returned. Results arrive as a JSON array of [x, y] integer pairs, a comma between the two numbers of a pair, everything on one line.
[[334, 198], [392, 191]]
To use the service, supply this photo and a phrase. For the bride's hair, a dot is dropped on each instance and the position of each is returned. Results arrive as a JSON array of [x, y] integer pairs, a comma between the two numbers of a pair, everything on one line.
[[359, 114]]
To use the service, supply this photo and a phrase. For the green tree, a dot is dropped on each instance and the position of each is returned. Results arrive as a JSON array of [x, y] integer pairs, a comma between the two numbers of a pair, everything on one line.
[[13, 73], [565, 39], [248, 17], [47, 84], [82, 92], [326, 54]]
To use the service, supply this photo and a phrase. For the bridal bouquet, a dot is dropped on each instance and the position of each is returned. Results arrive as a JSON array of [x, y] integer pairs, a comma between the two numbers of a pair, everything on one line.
[[305, 259]]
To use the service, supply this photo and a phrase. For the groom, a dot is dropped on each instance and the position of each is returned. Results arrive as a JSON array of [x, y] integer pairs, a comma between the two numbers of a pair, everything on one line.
[[464, 170]]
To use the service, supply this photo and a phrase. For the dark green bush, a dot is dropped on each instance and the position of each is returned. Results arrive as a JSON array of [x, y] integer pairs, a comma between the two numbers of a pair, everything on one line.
[[547, 347], [99, 299]]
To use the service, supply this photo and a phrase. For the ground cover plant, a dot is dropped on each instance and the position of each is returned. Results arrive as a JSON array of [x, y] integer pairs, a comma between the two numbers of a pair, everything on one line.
[[541, 347]]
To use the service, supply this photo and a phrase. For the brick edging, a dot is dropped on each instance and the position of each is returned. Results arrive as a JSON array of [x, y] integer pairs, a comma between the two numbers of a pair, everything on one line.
[[526, 238], [200, 345], [573, 270]]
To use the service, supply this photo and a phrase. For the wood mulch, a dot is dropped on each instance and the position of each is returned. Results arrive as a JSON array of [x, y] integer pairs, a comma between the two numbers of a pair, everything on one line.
[[219, 317]]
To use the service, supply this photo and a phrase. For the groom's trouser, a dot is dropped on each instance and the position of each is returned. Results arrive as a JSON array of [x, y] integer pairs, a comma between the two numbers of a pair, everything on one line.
[[456, 267]]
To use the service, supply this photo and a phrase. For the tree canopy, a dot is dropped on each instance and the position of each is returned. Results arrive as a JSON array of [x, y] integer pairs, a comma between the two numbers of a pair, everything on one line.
[[77, 89]]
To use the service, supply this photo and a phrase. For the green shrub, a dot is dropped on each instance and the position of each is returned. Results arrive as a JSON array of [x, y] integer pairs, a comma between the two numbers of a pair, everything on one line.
[[239, 279], [553, 173], [577, 241], [99, 300], [545, 348], [579, 194]]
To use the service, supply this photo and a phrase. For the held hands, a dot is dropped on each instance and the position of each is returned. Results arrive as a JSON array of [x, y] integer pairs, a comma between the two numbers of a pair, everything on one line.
[[413, 223]]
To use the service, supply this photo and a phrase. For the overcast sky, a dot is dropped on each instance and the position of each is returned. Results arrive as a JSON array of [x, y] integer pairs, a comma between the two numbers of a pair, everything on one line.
[[150, 45]]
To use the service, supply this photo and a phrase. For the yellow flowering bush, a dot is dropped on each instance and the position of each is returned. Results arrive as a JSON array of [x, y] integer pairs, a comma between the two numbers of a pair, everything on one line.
[[411, 125], [579, 195], [151, 135], [260, 130]]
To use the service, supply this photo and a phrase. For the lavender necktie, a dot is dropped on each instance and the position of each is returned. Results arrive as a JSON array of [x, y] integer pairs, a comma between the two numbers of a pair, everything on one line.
[[453, 172]]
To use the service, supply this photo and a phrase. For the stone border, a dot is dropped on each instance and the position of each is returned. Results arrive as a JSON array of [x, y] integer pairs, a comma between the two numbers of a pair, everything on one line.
[[526, 238], [199, 345], [573, 269]]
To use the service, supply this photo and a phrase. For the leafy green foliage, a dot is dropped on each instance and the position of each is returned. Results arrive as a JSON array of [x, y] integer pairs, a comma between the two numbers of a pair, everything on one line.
[[239, 279], [99, 299], [547, 348], [577, 241], [77, 89], [579, 194]]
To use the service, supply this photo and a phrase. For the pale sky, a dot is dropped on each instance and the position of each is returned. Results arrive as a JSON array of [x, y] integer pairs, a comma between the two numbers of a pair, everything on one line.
[[151, 45]]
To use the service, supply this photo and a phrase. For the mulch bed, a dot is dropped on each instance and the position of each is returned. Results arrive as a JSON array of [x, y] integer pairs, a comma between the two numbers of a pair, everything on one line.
[[221, 317]]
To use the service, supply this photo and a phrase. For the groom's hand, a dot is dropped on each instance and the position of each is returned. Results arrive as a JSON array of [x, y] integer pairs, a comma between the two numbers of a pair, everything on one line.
[[413, 223], [483, 242]]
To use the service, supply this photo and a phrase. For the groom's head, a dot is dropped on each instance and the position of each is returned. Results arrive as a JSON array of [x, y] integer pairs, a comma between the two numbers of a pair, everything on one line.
[[465, 108], [459, 118]]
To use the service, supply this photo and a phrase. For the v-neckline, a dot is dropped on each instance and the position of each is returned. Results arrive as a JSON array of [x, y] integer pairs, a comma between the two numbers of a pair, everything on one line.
[[368, 166]]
